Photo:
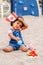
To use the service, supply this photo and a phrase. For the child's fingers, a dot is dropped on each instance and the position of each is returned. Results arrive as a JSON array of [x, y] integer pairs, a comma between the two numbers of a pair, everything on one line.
[[18, 38]]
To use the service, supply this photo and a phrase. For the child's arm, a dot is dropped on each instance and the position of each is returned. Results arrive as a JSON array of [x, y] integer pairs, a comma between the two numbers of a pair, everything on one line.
[[25, 26], [13, 37]]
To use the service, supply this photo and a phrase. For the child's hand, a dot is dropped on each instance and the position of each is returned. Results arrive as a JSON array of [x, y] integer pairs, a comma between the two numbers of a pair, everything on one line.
[[18, 38]]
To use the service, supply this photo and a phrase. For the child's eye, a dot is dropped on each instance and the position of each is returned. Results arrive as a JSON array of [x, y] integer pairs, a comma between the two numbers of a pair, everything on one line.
[[17, 23]]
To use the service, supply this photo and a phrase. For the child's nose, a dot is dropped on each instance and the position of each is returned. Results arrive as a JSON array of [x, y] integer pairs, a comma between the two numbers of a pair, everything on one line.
[[18, 26]]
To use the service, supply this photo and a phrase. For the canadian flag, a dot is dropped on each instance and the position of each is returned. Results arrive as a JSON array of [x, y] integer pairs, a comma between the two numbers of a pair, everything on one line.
[[11, 17]]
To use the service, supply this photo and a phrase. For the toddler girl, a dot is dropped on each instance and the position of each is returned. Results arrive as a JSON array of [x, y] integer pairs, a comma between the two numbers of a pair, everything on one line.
[[16, 42]]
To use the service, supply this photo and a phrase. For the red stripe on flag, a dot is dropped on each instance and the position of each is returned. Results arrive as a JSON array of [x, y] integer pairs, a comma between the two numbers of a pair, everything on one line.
[[7, 20], [14, 15]]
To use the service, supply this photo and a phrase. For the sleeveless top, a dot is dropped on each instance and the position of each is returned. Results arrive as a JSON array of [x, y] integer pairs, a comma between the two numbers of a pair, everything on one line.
[[16, 33]]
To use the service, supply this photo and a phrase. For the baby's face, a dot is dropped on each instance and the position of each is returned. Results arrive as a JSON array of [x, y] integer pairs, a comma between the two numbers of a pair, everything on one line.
[[17, 25]]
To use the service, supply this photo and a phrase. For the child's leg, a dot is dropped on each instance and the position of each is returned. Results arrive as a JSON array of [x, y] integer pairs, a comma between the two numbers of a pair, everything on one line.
[[8, 49], [23, 48]]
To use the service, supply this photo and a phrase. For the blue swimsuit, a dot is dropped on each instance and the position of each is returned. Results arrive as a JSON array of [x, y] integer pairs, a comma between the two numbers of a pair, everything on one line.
[[14, 43]]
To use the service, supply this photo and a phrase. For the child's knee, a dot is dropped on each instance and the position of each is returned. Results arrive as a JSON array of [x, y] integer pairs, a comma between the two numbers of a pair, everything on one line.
[[8, 49]]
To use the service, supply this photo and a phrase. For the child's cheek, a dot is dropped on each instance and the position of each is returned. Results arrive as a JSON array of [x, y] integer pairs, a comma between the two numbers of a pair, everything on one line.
[[14, 25]]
